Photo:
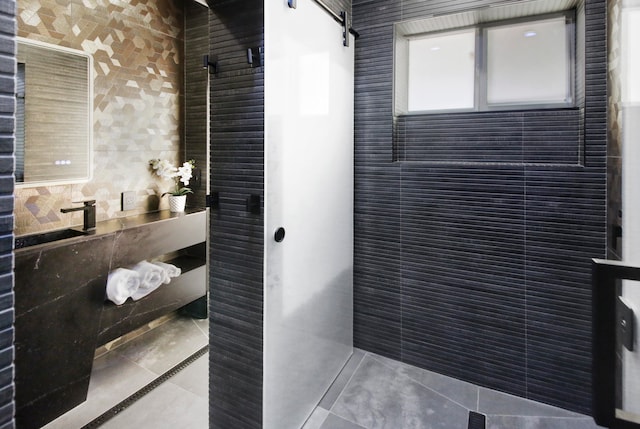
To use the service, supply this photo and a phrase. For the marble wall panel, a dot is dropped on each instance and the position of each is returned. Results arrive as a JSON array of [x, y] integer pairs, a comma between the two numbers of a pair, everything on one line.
[[614, 131]]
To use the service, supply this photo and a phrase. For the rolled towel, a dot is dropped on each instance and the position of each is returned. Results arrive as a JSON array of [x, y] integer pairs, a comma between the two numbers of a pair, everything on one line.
[[169, 269], [151, 277], [121, 284]]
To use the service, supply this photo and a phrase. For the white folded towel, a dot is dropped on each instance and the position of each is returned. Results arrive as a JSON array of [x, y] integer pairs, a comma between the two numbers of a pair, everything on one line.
[[169, 270], [151, 277], [121, 284]]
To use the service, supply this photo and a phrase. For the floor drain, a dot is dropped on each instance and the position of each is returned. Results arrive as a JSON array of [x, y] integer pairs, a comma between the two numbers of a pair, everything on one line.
[[109, 414], [477, 421]]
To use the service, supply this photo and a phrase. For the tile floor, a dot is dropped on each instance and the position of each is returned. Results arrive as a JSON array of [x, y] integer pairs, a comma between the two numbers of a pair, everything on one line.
[[372, 392], [181, 402]]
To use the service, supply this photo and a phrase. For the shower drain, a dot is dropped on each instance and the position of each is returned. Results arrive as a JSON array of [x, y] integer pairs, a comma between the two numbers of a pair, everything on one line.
[[121, 406], [477, 421]]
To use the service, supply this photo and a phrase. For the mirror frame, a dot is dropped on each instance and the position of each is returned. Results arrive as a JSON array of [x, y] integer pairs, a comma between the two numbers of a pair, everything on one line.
[[90, 104]]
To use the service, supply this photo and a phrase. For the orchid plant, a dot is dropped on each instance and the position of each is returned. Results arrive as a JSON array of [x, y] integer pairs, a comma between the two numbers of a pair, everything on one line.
[[180, 175]]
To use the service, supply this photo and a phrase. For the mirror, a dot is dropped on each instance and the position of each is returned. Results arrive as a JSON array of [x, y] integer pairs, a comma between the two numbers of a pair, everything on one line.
[[54, 105]]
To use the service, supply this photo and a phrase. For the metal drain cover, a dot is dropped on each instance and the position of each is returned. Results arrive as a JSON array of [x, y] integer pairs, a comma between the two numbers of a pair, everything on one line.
[[477, 421]]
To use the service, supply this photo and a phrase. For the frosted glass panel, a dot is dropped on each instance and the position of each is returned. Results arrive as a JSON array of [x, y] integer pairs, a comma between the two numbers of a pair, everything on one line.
[[308, 306], [631, 55], [442, 71], [528, 63]]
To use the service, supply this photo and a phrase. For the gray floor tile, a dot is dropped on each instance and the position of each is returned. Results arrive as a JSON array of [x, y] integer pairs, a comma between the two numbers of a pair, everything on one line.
[[498, 403], [113, 379], [203, 324], [378, 397], [166, 407], [316, 418], [519, 422], [371, 392], [341, 381], [335, 422], [194, 378], [461, 392], [165, 346]]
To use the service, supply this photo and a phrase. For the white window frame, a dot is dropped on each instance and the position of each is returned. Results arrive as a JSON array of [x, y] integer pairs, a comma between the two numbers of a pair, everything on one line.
[[401, 89]]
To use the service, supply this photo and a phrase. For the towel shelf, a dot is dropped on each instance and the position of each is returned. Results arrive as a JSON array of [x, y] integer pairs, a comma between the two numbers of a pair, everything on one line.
[[60, 312], [190, 285]]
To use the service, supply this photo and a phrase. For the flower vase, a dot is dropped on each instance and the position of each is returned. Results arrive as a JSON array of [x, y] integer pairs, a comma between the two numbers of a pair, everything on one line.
[[177, 203]]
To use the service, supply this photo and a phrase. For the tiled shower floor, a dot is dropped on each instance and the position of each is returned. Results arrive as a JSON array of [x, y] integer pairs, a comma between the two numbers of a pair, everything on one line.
[[371, 392], [374, 392]]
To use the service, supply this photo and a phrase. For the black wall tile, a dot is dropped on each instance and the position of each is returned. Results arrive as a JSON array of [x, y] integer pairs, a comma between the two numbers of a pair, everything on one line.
[[490, 221], [7, 79], [236, 240]]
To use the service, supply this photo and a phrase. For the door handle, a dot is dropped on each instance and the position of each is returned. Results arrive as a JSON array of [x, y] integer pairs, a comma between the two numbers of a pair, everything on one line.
[[279, 235]]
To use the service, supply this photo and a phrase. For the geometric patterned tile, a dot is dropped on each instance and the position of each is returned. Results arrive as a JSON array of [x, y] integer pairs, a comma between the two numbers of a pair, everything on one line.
[[137, 49]]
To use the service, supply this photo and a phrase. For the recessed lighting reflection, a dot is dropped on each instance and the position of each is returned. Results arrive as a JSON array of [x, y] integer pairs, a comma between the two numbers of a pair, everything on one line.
[[435, 48], [530, 33]]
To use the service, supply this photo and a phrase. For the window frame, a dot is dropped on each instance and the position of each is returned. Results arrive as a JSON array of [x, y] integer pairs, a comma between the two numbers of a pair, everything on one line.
[[481, 67]]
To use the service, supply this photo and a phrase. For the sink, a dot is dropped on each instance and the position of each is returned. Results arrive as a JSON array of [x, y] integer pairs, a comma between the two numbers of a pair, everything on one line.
[[46, 237]]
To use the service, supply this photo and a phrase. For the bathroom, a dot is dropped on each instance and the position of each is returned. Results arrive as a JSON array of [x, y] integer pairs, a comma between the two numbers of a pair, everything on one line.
[[527, 223]]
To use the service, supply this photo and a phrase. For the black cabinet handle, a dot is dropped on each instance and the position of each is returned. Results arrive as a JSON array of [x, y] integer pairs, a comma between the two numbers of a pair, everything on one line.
[[279, 235]]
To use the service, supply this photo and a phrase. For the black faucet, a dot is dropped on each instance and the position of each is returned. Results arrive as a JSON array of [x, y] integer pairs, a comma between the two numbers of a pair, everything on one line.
[[89, 208]]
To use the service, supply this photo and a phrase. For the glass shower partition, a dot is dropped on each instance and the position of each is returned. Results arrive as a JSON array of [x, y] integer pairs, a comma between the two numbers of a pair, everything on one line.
[[308, 307]]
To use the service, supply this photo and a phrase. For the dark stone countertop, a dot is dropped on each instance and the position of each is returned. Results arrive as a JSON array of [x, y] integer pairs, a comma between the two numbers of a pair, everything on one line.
[[107, 227]]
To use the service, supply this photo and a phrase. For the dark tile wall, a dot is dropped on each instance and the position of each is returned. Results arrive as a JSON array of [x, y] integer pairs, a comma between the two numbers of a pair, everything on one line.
[[526, 137], [196, 80], [477, 270], [237, 165], [7, 110]]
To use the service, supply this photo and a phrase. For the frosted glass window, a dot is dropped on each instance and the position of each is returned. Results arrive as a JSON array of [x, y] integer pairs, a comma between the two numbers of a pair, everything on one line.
[[442, 71], [529, 63]]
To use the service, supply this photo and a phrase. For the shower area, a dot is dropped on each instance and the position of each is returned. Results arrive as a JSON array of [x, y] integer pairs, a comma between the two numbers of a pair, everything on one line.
[[281, 91]]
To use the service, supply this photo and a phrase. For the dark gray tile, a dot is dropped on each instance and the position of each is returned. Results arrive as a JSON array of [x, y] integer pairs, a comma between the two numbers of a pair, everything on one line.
[[335, 422], [341, 381], [378, 397]]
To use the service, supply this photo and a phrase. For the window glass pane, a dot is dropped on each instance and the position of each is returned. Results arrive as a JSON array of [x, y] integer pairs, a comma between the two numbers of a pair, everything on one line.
[[528, 63], [442, 71]]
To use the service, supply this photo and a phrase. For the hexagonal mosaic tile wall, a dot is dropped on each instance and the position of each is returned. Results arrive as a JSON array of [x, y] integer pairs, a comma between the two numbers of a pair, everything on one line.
[[137, 48]]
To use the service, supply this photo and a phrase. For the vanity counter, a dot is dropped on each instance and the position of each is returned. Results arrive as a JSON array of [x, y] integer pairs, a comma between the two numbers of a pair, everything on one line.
[[61, 314]]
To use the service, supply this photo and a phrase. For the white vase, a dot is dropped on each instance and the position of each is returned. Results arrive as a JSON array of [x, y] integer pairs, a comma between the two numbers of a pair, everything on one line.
[[177, 203]]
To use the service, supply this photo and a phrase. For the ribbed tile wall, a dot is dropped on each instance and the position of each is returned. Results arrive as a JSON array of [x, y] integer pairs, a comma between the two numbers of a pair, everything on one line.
[[7, 110], [525, 137], [472, 256], [236, 266]]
